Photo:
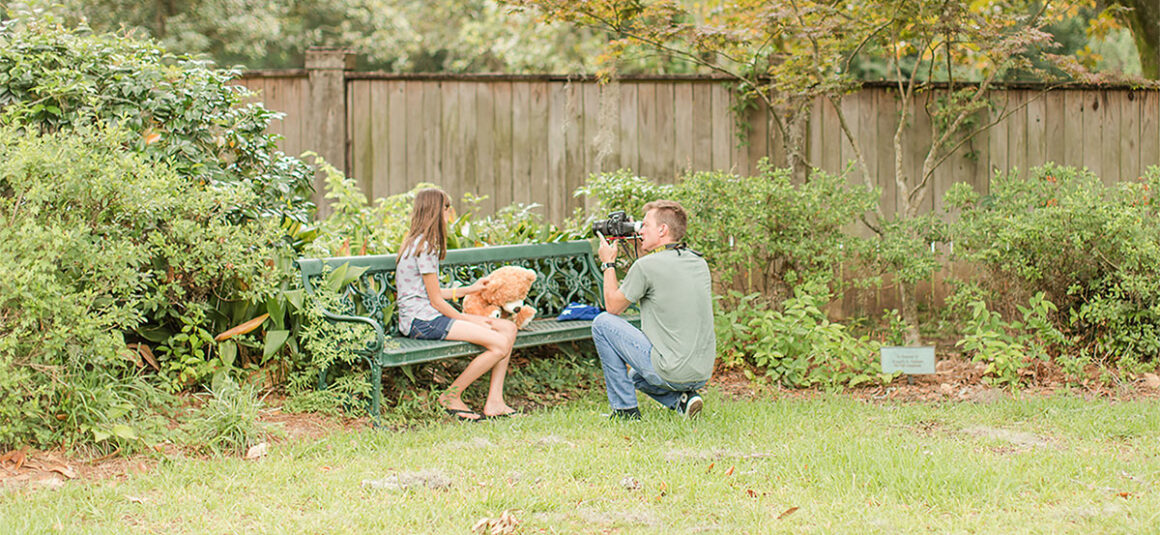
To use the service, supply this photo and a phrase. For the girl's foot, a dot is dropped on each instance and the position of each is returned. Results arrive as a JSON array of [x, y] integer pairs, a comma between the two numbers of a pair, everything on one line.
[[498, 410], [453, 405]]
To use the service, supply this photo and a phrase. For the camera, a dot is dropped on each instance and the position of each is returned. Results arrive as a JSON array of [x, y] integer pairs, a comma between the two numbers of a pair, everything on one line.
[[616, 226]]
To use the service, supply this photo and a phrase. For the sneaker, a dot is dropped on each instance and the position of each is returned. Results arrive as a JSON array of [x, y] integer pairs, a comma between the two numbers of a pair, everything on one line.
[[625, 414], [690, 404]]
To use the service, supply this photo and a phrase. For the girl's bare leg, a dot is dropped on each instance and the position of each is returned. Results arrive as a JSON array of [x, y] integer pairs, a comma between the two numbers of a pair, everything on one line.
[[497, 349], [495, 405]]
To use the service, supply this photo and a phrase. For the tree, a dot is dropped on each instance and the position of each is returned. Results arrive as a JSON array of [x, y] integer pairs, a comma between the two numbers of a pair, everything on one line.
[[1142, 17], [790, 54]]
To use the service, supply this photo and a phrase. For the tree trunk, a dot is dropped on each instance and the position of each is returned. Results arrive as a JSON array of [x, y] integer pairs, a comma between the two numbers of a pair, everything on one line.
[[1143, 20]]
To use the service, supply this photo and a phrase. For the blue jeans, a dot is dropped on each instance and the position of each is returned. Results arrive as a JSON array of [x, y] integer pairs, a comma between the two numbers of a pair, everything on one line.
[[620, 346]]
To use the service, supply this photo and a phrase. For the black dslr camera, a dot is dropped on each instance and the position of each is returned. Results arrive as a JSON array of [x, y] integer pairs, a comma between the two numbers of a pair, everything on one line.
[[616, 226]]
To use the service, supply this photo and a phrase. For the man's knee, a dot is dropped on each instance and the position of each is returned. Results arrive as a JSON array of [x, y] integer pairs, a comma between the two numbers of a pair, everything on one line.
[[603, 322]]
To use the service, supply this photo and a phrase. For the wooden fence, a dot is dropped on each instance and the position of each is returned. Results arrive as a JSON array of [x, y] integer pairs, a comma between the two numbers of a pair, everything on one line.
[[535, 139]]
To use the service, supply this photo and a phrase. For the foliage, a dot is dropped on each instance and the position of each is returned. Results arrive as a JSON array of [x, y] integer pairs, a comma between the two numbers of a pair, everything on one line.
[[798, 347], [395, 35], [796, 236], [184, 112], [228, 422], [1090, 248], [1009, 348]]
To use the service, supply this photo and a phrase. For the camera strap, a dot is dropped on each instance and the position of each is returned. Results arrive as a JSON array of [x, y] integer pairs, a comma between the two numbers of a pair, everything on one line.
[[682, 246]]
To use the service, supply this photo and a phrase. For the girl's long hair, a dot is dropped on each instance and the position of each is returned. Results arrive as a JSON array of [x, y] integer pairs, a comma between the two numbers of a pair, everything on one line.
[[427, 221]]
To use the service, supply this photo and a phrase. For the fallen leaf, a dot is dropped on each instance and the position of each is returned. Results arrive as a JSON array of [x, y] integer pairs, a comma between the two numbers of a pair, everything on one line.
[[1124, 495], [751, 493], [241, 329], [151, 137], [16, 457], [146, 353], [135, 499], [62, 470], [787, 512], [729, 472], [710, 469]]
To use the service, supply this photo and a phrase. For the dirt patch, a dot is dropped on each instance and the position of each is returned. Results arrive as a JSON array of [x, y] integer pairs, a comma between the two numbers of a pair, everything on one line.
[[1020, 440]]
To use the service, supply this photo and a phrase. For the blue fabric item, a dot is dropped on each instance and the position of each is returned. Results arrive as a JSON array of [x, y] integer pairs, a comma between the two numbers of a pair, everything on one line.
[[577, 311]]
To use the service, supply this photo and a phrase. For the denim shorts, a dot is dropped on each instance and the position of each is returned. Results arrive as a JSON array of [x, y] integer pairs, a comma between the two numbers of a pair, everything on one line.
[[433, 329]]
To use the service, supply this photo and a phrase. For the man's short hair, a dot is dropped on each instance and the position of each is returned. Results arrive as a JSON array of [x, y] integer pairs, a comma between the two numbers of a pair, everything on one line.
[[670, 214]]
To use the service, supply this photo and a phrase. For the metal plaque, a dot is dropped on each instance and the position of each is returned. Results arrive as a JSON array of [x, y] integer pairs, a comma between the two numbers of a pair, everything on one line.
[[911, 360]]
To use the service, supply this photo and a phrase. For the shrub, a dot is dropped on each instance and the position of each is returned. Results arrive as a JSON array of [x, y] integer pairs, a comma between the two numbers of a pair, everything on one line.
[[1090, 248], [95, 240], [764, 233], [1009, 348], [798, 347], [183, 111]]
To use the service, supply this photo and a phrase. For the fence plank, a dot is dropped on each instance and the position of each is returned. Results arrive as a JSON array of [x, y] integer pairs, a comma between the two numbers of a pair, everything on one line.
[[557, 145], [1111, 141], [647, 131], [592, 137], [997, 147], [1149, 129], [702, 126], [417, 127], [1073, 128], [1017, 133], [722, 119], [1092, 132], [538, 116], [683, 127], [363, 152], [917, 140], [574, 136], [886, 113], [1129, 134], [629, 126], [1055, 127], [467, 141], [432, 134], [522, 138], [380, 118], [1036, 129], [397, 153], [662, 146], [505, 167], [486, 146], [450, 146]]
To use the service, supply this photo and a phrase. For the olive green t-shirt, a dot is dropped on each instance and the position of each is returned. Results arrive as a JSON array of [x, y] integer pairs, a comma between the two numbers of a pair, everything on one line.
[[675, 293]]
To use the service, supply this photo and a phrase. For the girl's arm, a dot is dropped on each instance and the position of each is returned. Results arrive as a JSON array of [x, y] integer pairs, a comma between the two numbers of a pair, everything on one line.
[[439, 301], [460, 291]]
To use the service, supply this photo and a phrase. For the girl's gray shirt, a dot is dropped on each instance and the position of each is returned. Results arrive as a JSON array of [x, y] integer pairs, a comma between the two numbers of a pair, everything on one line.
[[413, 302]]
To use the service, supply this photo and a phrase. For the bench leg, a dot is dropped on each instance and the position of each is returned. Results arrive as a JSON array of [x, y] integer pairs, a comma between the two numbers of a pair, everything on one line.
[[376, 390]]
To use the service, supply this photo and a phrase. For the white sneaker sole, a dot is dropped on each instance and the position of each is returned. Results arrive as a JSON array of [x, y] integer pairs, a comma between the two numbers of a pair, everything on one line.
[[693, 408]]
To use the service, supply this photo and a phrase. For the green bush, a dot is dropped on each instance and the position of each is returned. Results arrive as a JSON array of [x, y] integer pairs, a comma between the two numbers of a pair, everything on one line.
[[798, 347], [1092, 249], [764, 233], [184, 112], [1009, 348], [95, 241]]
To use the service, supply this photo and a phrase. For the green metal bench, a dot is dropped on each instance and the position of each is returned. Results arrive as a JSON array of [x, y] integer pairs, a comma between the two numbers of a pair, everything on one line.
[[566, 272]]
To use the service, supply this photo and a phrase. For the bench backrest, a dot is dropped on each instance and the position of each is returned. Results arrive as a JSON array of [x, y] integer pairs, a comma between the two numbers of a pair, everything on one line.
[[566, 271]]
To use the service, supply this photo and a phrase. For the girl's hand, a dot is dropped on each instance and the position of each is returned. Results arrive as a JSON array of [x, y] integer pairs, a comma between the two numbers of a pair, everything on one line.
[[478, 285]]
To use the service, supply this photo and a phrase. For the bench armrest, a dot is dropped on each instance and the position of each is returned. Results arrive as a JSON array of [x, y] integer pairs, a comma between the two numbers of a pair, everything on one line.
[[380, 338]]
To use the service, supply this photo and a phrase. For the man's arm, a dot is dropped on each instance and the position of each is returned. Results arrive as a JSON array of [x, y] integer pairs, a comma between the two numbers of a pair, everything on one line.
[[614, 301]]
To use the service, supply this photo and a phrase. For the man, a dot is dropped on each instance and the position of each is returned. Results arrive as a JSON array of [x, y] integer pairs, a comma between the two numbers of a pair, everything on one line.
[[672, 355]]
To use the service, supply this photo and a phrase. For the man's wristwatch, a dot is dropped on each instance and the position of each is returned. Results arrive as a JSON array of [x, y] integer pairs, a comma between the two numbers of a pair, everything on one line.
[[607, 265]]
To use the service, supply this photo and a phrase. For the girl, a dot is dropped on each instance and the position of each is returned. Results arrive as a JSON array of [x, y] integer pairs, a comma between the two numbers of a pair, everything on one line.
[[425, 314]]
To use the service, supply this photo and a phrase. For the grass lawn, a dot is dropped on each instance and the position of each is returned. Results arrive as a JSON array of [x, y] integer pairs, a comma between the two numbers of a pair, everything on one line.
[[825, 465]]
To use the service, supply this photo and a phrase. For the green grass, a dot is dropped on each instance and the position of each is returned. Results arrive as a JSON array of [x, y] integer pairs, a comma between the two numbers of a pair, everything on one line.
[[1027, 466]]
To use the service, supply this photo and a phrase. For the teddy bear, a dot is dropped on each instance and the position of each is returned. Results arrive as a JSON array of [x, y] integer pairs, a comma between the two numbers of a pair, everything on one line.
[[503, 296]]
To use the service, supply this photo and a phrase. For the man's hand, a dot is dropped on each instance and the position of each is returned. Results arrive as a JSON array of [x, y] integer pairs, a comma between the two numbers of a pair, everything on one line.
[[607, 251]]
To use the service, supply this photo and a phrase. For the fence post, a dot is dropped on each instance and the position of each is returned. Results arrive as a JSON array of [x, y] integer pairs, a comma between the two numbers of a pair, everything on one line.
[[326, 111]]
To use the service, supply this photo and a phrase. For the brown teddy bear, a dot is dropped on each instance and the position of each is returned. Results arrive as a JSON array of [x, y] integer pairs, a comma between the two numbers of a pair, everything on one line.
[[503, 296]]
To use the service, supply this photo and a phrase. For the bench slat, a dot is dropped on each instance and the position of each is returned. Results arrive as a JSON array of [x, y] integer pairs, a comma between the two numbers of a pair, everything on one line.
[[538, 332]]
